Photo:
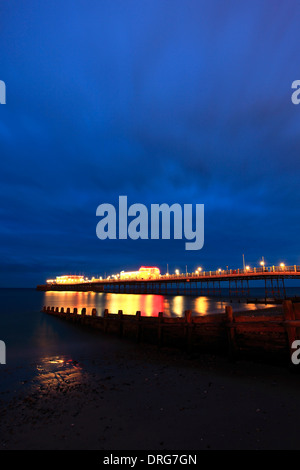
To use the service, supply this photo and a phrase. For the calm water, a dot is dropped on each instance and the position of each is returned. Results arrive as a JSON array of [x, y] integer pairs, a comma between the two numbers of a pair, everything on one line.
[[25, 329], [40, 345], [147, 304]]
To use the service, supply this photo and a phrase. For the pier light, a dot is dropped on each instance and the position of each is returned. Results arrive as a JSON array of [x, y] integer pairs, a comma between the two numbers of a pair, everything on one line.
[[247, 268], [199, 269], [220, 270], [282, 265], [177, 271], [262, 263]]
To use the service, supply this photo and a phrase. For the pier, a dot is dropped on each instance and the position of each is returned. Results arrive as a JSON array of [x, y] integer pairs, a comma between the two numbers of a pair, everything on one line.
[[233, 283], [266, 334]]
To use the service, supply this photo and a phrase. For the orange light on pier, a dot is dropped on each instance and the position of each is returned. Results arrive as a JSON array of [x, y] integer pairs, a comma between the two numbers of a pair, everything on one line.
[[145, 272], [68, 279]]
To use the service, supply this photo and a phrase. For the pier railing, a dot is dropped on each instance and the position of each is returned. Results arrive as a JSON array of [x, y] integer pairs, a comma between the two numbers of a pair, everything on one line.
[[233, 272], [268, 333], [283, 271]]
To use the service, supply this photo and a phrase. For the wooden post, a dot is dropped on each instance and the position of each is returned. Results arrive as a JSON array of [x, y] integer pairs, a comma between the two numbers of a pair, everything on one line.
[[105, 327], [289, 316], [138, 326], [120, 318], [232, 347], [75, 311], [188, 316], [68, 310], [83, 312], [160, 328], [62, 310], [188, 329], [94, 312]]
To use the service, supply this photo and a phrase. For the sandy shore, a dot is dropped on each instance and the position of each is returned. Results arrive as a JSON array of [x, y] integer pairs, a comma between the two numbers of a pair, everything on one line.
[[136, 397]]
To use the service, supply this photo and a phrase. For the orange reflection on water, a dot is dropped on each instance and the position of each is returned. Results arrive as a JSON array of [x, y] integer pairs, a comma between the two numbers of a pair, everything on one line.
[[71, 300], [178, 305], [57, 371], [148, 305], [201, 305]]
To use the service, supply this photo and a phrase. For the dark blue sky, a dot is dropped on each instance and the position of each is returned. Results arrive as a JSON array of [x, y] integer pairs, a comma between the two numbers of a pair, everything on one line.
[[162, 101]]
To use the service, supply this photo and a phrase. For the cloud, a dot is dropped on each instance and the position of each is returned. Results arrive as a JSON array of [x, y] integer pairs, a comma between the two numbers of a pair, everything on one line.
[[158, 100]]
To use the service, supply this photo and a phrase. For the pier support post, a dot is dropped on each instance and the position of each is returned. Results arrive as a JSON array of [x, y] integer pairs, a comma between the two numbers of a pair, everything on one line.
[[94, 312], [83, 312]]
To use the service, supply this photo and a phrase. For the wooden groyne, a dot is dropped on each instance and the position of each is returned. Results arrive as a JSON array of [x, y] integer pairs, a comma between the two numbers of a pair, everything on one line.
[[267, 333]]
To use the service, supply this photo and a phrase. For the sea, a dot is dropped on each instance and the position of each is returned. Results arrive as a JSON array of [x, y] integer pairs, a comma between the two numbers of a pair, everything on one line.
[[37, 344]]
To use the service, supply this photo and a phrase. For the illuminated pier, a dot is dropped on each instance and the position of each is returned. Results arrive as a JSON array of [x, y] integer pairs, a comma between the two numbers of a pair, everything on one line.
[[220, 283]]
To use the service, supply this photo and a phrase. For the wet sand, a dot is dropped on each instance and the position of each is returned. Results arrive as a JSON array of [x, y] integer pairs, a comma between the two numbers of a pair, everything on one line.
[[136, 397]]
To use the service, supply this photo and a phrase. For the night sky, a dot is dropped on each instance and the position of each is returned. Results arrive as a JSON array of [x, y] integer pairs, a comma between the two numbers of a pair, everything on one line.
[[162, 101]]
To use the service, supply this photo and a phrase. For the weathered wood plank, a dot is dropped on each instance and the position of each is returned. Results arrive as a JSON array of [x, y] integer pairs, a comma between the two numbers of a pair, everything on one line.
[[263, 332]]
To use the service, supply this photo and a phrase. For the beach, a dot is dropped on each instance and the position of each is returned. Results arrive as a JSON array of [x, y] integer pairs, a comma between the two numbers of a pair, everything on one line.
[[69, 387], [138, 397]]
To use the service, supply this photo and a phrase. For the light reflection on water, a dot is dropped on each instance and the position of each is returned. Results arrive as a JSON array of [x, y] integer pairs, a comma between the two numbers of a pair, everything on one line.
[[57, 370], [53, 353], [147, 304]]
